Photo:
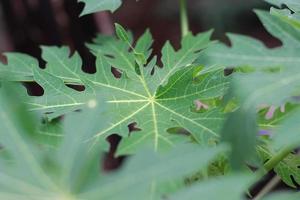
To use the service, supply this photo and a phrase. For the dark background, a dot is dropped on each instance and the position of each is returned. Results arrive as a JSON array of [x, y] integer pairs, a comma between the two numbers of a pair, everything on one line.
[[26, 24]]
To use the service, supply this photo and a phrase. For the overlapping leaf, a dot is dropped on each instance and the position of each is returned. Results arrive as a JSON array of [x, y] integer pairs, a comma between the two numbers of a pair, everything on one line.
[[285, 136], [292, 4], [287, 169], [246, 51], [268, 87], [274, 88], [20, 68], [92, 6], [155, 98], [218, 188], [72, 171], [283, 196], [270, 118]]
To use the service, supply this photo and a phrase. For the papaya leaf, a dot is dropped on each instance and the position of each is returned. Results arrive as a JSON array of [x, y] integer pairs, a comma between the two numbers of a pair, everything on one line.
[[72, 170], [287, 169], [43, 132], [144, 177], [283, 196], [242, 143], [292, 4], [92, 6], [154, 98], [270, 118], [218, 188], [121, 33], [287, 16], [273, 88], [20, 68], [246, 51], [286, 135]]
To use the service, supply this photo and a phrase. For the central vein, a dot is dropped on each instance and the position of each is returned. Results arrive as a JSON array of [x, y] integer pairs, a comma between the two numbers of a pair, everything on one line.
[[156, 135]]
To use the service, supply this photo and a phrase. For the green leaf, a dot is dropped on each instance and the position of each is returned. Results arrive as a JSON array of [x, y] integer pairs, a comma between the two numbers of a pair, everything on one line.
[[289, 35], [20, 67], [18, 146], [189, 52], [279, 115], [274, 88], [72, 170], [50, 134], [285, 136], [287, 133], [283, 196], [40, 132], [246, 51], [230, 187], [92, 6], [140, 58], [287, 169], [121, 33], [268, 87], [143, 176], [240, 131], [287, 16], [58, 99], [155, 98], [292, 4]]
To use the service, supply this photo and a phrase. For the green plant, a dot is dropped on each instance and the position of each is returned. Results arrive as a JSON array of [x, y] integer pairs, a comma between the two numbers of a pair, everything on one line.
[[199, 131]]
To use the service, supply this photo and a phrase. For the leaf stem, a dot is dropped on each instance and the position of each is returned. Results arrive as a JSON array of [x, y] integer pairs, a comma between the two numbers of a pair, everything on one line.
[[268, 187], [184, 21], [270, 164]]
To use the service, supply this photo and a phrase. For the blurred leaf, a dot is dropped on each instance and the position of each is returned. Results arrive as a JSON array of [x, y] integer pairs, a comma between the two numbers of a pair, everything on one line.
[[292, 4], [141, 177], [14, 96], [15, 139], [232, 187], [287, 16], [240, 132], [50, 134], [73, 169], [279, 115], [92, 6], [246, 51], [286, 136], [274, 89], [287, 133], [283, 196]]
